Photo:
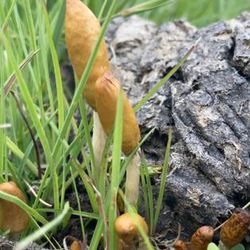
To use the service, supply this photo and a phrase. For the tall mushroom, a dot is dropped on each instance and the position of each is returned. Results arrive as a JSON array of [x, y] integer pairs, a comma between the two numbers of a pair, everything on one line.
[[12, 217], [101, 91], [81, 32]]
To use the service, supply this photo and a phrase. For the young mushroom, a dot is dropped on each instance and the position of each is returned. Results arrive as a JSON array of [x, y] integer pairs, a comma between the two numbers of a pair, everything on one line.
[[235, 229], [102, 90], [127, 230], [12, 217], [81, 32], [202, 237]]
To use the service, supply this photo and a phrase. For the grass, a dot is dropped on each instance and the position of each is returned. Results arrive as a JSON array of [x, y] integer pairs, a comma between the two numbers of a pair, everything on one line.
[[31, 52]]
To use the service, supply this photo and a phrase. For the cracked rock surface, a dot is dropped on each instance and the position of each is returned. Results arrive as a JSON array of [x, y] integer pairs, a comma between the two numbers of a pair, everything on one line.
[[207, 102]]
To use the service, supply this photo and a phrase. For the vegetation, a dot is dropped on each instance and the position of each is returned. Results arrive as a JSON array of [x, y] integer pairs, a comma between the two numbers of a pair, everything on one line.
[[42, 140]]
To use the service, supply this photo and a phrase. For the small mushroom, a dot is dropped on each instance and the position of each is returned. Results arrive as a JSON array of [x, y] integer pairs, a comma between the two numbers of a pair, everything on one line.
[[202, 237], [127, 231], [235, 229], [107, 93], [12, 217], [76, 245]]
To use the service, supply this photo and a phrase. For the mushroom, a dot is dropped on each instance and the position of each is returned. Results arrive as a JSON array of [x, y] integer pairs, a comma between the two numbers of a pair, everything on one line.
[[107, 92], [12, 217], [127, 231], [76, 245], [235, 229], [81, 32], [82, 29], [202, 237]]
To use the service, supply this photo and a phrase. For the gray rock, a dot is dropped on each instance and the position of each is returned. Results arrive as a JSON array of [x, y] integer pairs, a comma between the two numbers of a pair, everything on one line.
[[207, 102]]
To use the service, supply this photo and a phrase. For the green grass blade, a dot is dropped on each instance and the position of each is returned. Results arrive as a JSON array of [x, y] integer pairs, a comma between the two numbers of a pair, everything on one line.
[[78, 205], [149, 194], [18, 153], [142, 7], [11, 80], [8, 16], [163, 180], [43, 230], [164, 79], [116, 156]]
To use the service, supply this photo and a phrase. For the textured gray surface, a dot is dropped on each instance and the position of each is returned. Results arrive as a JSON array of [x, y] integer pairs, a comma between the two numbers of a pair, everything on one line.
[[9, 245], [207, 102]]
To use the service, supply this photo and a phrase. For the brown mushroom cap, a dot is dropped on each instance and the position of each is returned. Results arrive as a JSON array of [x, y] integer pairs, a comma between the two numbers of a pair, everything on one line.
[[125, 226], [107, 93], [202, 237], [81, 31], [180, 245], [235, 228], [12, 217]]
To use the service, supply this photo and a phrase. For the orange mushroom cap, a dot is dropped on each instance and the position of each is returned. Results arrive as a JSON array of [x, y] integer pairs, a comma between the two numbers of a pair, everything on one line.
[[81, 30], [76, 245], [107, 93], [126, 229], [12, 217]]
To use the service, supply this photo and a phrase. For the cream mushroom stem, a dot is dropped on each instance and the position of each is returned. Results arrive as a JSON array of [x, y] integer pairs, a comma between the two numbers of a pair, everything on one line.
[[133, 179], [98, 141], [133, 170]]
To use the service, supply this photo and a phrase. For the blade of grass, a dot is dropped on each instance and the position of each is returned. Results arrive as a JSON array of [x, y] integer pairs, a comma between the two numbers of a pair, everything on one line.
[[115, 175], [149, 194], [58, 22], [17, 152], [142, 7], [164, 79], [11, 80], [8, 16], [163, 181], [43, 230], [79, 206], [84, 177]]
